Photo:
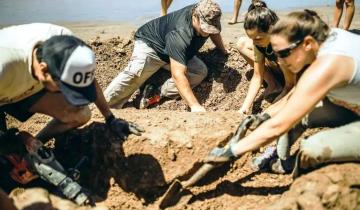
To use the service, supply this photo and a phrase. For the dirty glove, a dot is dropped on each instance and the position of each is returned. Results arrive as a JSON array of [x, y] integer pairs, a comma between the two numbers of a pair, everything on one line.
[[221, 155], [258, 120], [123, 128]]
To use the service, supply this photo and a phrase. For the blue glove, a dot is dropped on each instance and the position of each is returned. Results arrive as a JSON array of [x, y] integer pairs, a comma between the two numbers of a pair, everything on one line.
[[123, 128], [221, 155]]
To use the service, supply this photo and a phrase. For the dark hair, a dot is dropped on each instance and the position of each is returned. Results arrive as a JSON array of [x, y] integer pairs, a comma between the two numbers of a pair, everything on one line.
[[297, 25], [55, 52], [259, 17]]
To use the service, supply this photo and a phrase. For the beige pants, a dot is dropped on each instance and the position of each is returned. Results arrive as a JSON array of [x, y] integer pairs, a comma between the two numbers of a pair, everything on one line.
[[144, 62], [338, 144]]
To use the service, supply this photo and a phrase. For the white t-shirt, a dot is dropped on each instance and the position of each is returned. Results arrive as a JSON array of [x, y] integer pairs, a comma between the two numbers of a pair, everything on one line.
[[16, 47], [341, 42]]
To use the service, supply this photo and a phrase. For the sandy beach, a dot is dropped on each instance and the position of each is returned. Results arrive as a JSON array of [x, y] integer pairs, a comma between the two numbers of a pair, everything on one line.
[[230, 33]]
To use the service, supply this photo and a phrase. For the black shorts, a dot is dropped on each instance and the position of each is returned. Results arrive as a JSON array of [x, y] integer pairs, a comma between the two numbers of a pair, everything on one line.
[[20, 109]]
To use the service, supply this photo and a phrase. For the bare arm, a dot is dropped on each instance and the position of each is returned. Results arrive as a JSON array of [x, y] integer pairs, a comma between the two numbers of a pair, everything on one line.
[[218, 42], [178, 73], [100, 102], [280, 104], [290, 81], [319, 78], [254, 86]]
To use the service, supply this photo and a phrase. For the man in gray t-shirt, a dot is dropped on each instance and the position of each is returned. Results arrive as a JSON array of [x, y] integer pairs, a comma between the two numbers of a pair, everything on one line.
[[170, 42]]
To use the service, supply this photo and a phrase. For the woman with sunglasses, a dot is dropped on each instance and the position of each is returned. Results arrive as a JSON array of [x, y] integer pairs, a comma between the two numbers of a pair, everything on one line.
[[327, 94], [257, 51]]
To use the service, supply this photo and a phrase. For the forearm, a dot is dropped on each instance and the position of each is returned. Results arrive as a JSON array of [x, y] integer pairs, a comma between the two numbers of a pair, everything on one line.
[[218, 42], [264, 134], [279, 105], [185, 91], [101, 103], [254, 88]]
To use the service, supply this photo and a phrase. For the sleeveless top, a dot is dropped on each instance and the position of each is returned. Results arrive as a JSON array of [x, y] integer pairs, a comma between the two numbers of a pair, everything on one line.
[[267, 52], [341, 42]]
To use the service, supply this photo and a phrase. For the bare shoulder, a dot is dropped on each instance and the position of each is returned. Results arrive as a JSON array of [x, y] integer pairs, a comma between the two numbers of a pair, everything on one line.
[[332, 69]]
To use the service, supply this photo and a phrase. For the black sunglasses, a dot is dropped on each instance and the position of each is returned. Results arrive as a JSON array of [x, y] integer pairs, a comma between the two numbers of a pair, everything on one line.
[[287, 51]]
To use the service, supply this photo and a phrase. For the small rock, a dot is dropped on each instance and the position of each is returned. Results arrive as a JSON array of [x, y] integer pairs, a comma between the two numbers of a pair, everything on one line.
[[309, 201], [331, 194], [112, 181], [172, 155], [335, 176], [143, 138], [189, 145]]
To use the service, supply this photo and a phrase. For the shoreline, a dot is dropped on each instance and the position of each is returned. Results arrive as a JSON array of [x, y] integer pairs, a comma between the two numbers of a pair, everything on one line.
[[88, 30], [230, 33]]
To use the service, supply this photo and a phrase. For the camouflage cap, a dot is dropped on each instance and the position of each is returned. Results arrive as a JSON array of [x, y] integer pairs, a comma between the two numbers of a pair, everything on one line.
[[209, 13]]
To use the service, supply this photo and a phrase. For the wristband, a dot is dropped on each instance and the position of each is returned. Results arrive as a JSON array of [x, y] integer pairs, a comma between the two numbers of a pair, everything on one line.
[[109, 119]]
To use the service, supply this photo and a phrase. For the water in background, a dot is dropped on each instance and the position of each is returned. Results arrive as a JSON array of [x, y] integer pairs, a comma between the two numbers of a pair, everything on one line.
[[25, 11]]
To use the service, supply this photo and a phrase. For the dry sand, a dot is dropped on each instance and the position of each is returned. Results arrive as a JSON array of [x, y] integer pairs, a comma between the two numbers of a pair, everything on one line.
[[230, 33]]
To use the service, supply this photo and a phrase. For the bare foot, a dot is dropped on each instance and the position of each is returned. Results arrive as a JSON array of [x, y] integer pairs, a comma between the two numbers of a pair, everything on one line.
[[232, 22], [235, 21]]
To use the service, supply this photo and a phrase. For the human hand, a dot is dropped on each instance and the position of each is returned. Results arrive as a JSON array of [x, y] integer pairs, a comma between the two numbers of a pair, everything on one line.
[[123, 128], [197, 108], [220, 155], [244, 110]]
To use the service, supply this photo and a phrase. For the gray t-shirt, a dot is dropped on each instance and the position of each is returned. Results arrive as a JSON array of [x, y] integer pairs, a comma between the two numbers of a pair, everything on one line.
[[172, 36], [341, 42]]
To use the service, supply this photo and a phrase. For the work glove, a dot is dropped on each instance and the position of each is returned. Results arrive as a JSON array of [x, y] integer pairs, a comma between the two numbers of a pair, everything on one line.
[[221, 155], [258, 120], [123, 128]]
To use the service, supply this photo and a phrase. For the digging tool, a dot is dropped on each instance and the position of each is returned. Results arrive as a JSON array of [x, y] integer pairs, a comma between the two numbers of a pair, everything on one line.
[[178, 190]]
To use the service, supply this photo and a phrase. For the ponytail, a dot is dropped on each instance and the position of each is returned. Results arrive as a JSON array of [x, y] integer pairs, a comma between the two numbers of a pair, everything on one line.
[[259, 17], [257, 4]]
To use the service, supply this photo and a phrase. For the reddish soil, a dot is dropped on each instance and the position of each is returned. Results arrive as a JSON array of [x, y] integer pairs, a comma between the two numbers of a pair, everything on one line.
[[332, 187], [134, 174]]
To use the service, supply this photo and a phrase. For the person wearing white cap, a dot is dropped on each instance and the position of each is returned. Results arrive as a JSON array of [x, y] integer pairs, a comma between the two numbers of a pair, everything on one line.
[[170, 42], [44, 69]]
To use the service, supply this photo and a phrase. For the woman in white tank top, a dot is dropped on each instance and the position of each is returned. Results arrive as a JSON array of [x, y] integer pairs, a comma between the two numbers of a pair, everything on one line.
[[327, 94]]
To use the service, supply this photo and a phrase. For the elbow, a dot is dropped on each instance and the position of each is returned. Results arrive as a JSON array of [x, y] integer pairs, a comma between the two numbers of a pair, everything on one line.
[[177, 76], [277, 128]]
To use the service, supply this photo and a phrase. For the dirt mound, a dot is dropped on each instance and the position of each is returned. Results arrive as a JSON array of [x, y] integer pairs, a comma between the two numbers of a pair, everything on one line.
[[37, 199], [111, 56], [134, 174], [223, 89], [332, 187]]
